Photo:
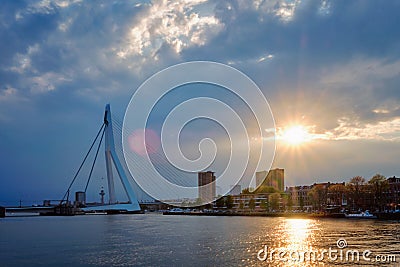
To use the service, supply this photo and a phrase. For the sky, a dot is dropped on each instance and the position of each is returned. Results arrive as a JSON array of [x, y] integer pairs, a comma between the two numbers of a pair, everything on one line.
[[332, 67]]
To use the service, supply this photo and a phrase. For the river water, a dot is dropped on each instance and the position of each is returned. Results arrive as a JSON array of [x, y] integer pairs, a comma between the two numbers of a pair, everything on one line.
[[162, 240]]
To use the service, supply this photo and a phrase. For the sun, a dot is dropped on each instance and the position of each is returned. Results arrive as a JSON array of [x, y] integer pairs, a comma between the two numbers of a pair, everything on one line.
[[296, 135]]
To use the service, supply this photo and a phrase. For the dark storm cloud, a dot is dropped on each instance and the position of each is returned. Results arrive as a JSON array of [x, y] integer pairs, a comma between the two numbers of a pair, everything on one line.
[[17, 33], [344, 29]]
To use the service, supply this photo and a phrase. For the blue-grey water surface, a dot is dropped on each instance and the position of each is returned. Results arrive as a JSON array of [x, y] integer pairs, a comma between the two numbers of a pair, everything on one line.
[[161, 240]]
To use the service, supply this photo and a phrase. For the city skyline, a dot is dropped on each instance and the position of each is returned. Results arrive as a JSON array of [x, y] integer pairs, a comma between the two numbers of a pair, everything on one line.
[[328, 69]]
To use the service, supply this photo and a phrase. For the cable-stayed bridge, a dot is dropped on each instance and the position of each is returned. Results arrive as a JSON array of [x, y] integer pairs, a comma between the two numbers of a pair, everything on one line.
[[112, 131]]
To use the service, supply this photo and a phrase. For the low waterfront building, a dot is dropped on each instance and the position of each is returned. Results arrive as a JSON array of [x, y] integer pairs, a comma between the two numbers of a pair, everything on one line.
[[336, 196], [318, 195], [261, 201], [300, 196], [393, 193]]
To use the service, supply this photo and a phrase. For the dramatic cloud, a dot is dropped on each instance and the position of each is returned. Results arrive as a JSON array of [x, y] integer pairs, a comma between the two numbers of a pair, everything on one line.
[[332, 66], [174, 24]]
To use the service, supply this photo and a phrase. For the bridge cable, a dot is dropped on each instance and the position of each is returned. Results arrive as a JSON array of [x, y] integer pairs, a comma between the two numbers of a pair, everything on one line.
[[174, 176], [94, 161], [80, 167]]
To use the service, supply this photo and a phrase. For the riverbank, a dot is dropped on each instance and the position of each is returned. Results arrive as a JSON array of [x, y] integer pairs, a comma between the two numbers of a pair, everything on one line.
[[257, 214], [380, 216]]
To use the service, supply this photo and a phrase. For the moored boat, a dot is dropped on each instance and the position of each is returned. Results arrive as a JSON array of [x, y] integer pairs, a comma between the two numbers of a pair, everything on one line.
[[362, 215]]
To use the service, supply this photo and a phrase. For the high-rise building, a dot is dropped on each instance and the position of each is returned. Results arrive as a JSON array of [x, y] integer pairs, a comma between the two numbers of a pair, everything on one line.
[[80, 198], [207, 186], [236, 190], [274, 178], [260, 177]]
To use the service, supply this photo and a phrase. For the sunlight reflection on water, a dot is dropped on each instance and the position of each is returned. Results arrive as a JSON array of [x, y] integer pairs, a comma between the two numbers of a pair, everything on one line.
[[156, 240]]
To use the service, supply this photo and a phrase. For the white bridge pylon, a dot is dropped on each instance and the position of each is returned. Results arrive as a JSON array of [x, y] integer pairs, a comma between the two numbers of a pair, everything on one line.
[[112, 159]]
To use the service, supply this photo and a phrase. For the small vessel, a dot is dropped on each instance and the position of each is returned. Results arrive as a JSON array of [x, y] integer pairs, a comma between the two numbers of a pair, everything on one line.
[[177, 210], [362, 215]]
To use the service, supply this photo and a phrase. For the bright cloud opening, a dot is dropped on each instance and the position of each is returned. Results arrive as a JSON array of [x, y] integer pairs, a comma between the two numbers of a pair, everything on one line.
[[176, 24], [296, 135]]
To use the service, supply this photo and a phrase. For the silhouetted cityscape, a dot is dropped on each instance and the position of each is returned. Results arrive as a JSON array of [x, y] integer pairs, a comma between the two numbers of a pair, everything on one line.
[[378, 194]]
